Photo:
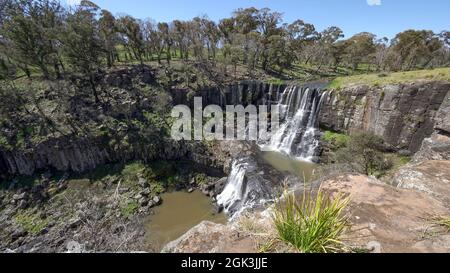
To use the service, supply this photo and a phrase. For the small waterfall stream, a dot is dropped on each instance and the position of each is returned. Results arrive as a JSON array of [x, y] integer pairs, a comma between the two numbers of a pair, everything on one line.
[[232, 196]]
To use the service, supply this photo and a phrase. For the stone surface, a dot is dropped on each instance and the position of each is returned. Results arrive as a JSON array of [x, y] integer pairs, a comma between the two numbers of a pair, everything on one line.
[[403, 114], [397, 219], [208, 237], [430, 177], [437, 147], [383, 219]]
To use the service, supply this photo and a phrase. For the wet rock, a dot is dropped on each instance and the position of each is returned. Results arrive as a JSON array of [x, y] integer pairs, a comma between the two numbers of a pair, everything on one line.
[[205, 192], [219, 186], [191, 190], [157, 200], [151, 204], [218, 208]]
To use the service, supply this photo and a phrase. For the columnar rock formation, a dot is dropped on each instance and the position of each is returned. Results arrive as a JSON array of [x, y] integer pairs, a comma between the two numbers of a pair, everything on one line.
[[402, 114]]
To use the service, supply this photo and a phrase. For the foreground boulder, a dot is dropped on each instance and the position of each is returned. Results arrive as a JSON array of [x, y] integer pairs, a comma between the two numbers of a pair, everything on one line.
[[208, 237], [430, 177], [394, 220]]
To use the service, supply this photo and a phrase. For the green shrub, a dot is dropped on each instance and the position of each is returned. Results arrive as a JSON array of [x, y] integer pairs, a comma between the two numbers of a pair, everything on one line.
[[31, 222], [340, 140], [313, 225], [129, 209], [365, 152]]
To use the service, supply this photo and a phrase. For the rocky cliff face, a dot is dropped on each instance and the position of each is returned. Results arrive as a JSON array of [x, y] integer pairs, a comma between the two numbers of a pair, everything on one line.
[[80, 155], [403, 115]]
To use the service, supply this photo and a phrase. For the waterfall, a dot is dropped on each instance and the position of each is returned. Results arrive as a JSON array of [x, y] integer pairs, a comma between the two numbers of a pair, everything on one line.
[[298, 135], [246, 188], [234, 193]]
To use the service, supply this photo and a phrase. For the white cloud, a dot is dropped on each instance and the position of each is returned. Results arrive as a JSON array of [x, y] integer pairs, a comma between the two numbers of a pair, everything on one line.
[[73, 2], [374, 2]]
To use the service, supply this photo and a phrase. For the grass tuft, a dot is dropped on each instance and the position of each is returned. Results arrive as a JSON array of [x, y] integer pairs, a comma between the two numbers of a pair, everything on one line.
[[443, 222], [313, 225]]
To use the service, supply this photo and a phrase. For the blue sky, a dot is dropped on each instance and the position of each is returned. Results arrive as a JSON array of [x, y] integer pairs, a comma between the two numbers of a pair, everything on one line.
[[381, 17]]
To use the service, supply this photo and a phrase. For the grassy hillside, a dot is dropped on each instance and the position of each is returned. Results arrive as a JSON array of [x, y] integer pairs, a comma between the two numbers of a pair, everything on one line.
[[438, 74]]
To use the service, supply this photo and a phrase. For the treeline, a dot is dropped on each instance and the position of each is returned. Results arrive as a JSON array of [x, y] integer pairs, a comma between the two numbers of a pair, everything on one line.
[[42, 35]]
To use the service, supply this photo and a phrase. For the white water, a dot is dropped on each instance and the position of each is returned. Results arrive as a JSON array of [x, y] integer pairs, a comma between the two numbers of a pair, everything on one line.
[[298, 135], [234, 192]]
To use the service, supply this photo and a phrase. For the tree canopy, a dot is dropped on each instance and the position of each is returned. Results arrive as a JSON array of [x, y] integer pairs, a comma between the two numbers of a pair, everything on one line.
[[42, 35]]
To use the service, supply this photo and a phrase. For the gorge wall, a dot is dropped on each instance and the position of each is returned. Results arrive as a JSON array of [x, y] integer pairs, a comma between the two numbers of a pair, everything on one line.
[[402, 114]]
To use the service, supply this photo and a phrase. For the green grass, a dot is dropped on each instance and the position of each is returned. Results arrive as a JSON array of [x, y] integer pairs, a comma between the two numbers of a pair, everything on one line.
[[313, 225], [32, 223], [275, 81], [378, 80], [129, 209], [337, 139], [443, 222]]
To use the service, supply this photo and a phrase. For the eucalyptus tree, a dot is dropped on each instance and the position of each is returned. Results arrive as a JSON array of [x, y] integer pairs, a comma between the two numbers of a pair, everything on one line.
[[108, 34], [301, 35], [246, 23], [360, 48], [130, 28], [31, 28], [211, 35], [416, 48], [156, 39], [268, 25], [82, 45], [181, 39], [166, 35]]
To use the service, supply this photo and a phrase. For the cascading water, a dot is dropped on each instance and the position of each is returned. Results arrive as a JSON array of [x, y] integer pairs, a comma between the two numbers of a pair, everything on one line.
[[246, 188], [298, 135], [232, 196]]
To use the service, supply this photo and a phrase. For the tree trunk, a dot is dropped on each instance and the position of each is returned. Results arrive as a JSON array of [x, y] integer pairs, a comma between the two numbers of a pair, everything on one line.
[[94, 88]]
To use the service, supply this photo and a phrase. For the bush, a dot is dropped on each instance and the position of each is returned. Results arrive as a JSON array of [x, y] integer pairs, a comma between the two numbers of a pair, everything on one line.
[[313, 225], [129, 209], [365, 152], [340, 140], [31, 223]]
